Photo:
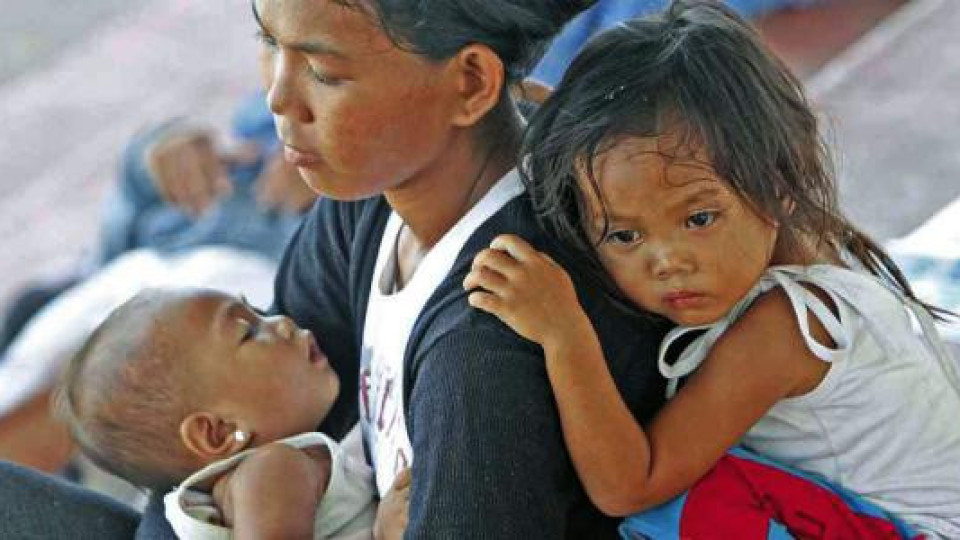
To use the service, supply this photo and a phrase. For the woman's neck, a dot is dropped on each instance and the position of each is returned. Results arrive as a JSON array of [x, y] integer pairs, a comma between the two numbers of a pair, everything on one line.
[[431, 204]]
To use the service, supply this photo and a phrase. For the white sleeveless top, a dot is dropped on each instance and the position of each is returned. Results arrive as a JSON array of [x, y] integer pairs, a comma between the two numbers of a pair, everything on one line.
[[885, 420], [389, 321], [347, 509]]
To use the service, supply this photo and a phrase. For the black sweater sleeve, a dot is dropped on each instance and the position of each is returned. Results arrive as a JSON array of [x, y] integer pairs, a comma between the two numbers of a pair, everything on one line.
[[489, 459]]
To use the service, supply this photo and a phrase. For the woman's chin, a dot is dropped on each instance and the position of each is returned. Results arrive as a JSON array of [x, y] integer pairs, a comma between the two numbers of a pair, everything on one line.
[[330, 185]]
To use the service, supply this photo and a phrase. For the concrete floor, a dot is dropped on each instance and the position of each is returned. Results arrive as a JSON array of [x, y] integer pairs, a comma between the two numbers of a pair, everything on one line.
[[34, 33]]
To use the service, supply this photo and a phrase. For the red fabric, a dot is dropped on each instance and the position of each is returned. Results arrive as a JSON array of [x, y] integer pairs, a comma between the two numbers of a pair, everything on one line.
[[739, 497]]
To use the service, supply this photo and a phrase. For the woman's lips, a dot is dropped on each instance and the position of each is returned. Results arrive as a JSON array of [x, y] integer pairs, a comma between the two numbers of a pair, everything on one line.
[[299, 158]]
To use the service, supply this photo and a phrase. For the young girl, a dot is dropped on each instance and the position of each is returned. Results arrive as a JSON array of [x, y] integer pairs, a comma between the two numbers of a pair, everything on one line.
[[684, 163]]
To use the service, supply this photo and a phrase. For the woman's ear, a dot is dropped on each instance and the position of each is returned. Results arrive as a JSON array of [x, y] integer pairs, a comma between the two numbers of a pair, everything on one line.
[[480, 78], [210, 437]]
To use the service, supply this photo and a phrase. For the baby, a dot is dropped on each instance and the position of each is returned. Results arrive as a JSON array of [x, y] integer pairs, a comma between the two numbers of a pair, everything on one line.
[[196, 389]]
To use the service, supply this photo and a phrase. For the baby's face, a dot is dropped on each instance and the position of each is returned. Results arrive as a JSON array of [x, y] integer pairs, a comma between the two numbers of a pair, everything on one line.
[[264, 372]]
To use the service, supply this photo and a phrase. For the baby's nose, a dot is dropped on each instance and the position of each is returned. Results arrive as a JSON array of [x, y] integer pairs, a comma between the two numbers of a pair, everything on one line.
[[286, 328]]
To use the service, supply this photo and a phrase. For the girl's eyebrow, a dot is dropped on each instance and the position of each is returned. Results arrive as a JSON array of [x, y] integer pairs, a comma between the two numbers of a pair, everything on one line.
[[316, 48], [703, 193]]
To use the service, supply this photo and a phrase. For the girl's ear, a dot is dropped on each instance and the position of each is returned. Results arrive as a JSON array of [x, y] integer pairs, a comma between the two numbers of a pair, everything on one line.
[[479, 81], [210, 437]]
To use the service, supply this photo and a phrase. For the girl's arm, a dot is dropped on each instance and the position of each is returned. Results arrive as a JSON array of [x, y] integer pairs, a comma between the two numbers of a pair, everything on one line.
[[274, 494], [623, 467]]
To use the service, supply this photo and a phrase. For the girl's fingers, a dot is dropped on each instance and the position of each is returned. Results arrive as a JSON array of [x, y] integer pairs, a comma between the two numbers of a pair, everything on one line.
[[499, 261], [486, 301], [486, 278], [515, 246]]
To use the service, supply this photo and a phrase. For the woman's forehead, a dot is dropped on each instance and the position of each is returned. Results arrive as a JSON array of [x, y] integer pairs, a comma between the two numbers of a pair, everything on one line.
[[321, 26]]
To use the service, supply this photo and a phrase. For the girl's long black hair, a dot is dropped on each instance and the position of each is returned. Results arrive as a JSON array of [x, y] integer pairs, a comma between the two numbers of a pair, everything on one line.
[[700, 69]]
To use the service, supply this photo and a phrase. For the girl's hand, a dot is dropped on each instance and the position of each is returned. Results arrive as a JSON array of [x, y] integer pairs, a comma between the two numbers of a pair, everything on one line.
[[392, 514], [528, 291]]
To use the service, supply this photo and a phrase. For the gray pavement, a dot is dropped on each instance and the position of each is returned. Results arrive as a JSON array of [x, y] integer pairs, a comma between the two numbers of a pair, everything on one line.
[[34, 33], [893, 102]]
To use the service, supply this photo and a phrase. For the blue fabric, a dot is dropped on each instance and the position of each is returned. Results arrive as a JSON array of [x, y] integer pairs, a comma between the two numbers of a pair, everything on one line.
[[853, 500], [665, 521], [607, 13], [136, 216]]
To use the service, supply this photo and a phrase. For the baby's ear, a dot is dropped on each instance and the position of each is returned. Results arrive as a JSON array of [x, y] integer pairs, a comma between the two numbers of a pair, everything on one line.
[[210, 437]]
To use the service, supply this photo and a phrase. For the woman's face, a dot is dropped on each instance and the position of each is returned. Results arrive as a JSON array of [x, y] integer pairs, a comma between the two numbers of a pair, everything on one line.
[[356, 114]]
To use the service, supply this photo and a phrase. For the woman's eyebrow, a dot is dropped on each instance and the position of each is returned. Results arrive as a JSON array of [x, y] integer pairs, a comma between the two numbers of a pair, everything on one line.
[[317, 48]]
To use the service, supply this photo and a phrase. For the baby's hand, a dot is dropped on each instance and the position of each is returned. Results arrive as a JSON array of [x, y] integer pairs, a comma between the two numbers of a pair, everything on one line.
[[527, 290], [392, 514]]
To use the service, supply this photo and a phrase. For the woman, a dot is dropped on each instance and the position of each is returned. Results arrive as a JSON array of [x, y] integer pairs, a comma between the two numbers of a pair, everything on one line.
[[400, 111]]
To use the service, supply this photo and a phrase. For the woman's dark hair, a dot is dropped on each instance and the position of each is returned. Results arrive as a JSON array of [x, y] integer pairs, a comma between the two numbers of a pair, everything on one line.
[[518, 31], [700, 71]]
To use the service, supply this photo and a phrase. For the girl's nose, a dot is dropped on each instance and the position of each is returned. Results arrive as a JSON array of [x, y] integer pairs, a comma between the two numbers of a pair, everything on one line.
[[667, 262]]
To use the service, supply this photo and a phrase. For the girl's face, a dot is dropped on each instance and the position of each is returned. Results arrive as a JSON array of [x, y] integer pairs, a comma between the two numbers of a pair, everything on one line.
[[355, 113], [680, 242], [263, 372]]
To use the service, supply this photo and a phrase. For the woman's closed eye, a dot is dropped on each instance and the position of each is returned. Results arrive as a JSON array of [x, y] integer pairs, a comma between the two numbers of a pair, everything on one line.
[[701, 219], [324, 78]]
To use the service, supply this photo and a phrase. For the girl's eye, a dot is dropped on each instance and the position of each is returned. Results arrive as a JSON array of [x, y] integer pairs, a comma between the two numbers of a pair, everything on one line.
[[699, 220], [625, 237]]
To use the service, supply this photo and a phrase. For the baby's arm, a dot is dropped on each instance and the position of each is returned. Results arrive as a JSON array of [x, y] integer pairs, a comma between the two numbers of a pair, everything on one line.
[[624, 468], [274, 493]]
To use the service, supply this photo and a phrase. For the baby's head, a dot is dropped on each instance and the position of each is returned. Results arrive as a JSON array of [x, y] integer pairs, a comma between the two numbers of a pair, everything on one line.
[[686, 117], [175, 379]]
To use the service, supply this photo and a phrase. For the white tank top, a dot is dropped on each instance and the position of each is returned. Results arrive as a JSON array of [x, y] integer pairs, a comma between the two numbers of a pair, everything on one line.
[[389, 321], [885, 420]]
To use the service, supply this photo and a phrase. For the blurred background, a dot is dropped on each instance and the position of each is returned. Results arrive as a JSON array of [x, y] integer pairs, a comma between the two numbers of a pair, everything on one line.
[[79, 79]]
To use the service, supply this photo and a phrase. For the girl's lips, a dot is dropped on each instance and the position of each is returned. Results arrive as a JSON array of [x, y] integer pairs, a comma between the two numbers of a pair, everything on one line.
[[299, 158], [683, 299]]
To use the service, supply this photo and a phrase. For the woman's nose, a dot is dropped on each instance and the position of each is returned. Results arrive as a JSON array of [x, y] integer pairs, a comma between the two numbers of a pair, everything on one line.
[[285, 96]]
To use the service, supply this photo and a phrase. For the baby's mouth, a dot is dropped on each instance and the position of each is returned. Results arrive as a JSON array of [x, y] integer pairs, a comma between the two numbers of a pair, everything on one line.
[[316, 356]]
